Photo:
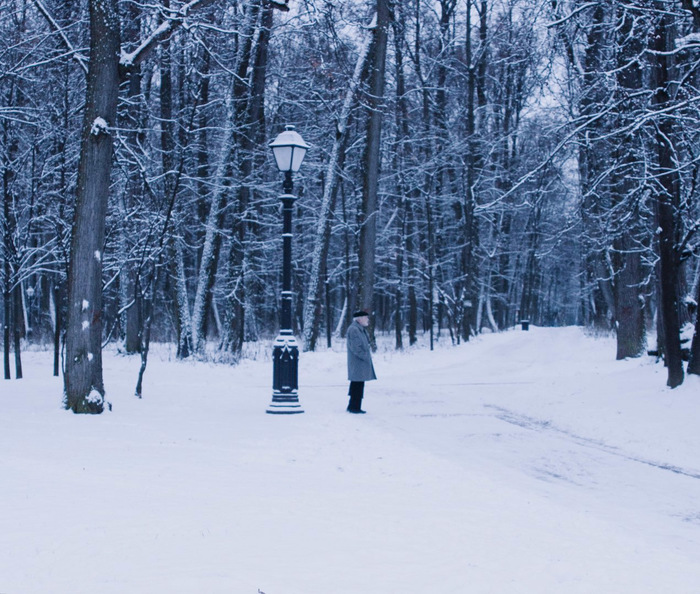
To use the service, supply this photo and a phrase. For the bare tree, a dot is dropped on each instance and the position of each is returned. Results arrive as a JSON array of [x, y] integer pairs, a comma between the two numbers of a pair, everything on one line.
[[371, 159]]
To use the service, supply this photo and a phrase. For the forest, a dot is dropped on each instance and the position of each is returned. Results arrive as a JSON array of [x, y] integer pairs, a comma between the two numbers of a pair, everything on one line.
[[473, 165]]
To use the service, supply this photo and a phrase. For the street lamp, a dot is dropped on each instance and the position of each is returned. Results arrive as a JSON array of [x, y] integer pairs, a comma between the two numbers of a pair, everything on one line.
[[289, 149]]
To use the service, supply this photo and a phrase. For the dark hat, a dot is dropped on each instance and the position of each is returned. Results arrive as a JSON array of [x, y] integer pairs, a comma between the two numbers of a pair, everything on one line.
[[360, 314]]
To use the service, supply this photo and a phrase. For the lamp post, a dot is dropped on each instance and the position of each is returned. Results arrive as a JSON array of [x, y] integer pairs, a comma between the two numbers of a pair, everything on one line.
[[289, 149]]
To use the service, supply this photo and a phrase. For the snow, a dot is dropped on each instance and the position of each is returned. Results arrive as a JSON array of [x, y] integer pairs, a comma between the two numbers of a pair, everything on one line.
[[127, 60], [86, 304], [687, 332], [99, 126], [689, 40], [520, 462], [94, 397]]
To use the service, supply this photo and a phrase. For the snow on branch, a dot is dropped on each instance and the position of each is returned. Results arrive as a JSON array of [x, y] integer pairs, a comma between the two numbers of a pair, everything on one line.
[[693, 7], [128, 60], [77, 56], [571, 15], [689, 40]]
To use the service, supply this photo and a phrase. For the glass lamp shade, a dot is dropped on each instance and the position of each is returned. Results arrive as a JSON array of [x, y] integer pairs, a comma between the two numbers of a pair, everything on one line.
[[289, 149]]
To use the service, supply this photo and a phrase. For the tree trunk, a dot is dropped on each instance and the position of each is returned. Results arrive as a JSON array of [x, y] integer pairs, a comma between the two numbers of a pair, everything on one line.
[[469, 222], [7, 309], [206, 305], [629, 301], [412, 277], [400, 154], [629, 306], [371, 161], [133, 120], [403, 155], [7, 270], [17, 324], [667, 202], [252, 137], [9, 232], [84, 387], [183, 318], [694, 363], [58, 316]]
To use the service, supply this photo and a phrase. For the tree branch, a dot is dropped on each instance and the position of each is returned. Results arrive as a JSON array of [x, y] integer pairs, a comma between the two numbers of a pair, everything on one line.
[[128, 60], [690, 6], [77, 56]]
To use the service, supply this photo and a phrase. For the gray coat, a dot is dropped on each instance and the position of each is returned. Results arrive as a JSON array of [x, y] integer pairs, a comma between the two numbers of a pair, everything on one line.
[[360, 368]]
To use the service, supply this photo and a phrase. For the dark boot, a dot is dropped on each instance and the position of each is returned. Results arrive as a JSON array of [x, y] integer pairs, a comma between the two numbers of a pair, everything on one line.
[[356, 392]]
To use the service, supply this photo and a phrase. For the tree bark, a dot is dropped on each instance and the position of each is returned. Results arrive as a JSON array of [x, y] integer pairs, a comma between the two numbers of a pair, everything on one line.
[[7, 233], [84, 386], [7, 319], [57, 330], [11, 267], [629, 301], [667, 202], [399, 164], [629, 305], [469, 223], [133, 120], [17, 324], [371, 162], [694, 363], [183, 318]]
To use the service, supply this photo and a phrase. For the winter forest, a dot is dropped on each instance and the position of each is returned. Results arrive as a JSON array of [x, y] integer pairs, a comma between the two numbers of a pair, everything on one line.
[[474, 164]]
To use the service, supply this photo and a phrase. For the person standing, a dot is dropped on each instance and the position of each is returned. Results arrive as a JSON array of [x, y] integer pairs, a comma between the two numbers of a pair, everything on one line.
[[360, 368]]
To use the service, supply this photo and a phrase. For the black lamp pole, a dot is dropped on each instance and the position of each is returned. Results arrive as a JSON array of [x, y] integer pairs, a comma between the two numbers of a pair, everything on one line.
[[285, 354]]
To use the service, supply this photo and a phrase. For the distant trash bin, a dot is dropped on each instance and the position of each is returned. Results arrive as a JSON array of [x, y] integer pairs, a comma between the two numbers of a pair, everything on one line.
[[525, 325]]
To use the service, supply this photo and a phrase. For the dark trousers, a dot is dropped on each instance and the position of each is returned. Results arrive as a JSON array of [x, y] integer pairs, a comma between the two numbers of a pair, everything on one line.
[[357, 390]]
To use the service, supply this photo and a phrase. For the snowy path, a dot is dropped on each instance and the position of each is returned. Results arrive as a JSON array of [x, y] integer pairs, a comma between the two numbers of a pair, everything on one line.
[[523, 462], [603, 434]]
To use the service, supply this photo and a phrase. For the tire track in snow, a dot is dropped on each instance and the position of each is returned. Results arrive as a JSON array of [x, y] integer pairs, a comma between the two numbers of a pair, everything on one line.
[[539, 425]]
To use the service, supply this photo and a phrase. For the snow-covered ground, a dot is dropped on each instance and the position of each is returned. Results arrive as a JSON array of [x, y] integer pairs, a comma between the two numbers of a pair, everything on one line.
[[521, 462]]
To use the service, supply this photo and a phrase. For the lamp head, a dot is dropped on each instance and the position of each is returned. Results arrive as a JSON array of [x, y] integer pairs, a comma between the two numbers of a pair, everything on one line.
[[289, 149]]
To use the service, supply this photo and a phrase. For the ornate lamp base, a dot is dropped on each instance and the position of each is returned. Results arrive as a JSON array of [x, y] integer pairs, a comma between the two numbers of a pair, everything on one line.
[[284, 408], [285, 360]]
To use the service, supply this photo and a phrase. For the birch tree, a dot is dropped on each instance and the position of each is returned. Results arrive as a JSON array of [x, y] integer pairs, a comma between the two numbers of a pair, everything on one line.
[[312, 304]]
